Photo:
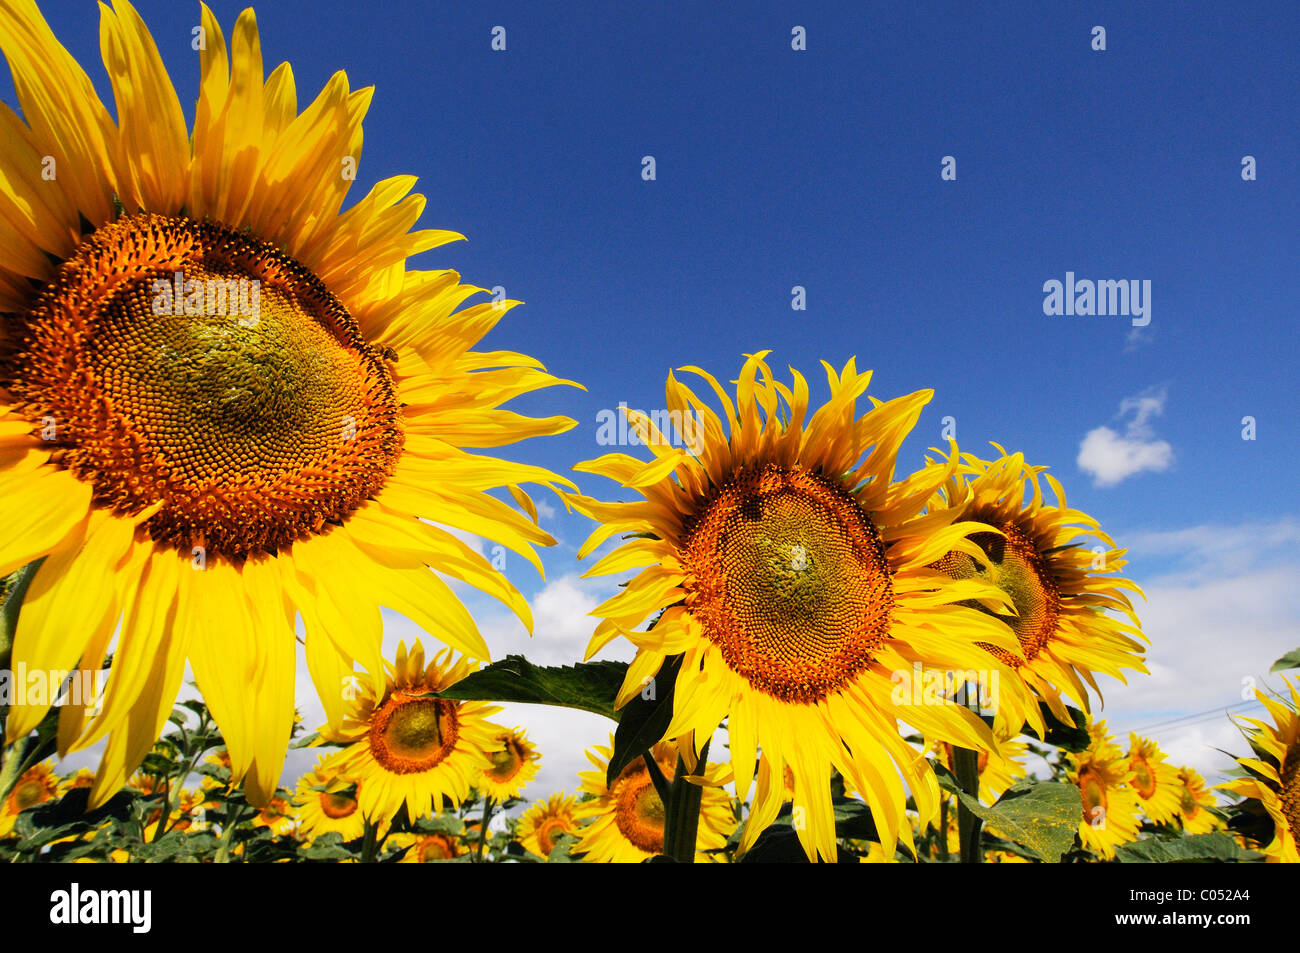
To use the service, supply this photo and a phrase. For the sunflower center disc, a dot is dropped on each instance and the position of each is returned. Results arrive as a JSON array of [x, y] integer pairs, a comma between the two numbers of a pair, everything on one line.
[[409, 734], [505, 763], [182, 363], [1143, 780], [640, 811], [28, 794], [338, 805], [1014, 565], [1093, 793], [790, 582]]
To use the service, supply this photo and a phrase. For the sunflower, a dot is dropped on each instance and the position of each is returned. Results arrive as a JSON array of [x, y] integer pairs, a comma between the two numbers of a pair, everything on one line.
[[1110, 804], [1155, 780], [34, 786], [278, 817], [189, 804], [225, 404], [84, 778], [426, 848], [408, 747], [514, 763], [326, 802], [789, 570], [1193, 800], [627, 817], [545, 821], [1273, 779], [1055, 565]]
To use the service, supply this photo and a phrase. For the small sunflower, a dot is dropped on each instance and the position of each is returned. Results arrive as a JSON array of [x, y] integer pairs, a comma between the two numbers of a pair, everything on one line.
[[545, 821], [84, 778], [327, 802], [1110, 804], [426, 848], [789, 568], [408, 747], [1055, 564], [1155, 780], [1193, 800], [226, 402], [1274, 775], [36, 785], [278, 816], [627, 818], [515, 762]]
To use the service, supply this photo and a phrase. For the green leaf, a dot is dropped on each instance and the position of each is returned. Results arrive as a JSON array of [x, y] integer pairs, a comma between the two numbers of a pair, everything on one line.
[[643, 720], [1215, 847], [588, 686], [13, 603], [1070, 738], [1290, 660], [1041, 816]]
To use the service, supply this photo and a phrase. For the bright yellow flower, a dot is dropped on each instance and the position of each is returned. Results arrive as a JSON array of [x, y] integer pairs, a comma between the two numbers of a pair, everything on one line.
[[515, 762], [789, 569], [1056, 566], [1193, 799], [545, 821], [426, 848], [227, 404], [36, 785], [1155, 780], [1274, 780], [327, 802], [627, 818], [407, 747], [1110, 805], [278, 817]]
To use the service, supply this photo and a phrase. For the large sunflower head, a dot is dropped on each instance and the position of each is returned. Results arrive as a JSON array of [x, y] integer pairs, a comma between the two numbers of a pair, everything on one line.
[[326, 802], [515, 762], [1057, 568], [627, 817], [542, 824], [1155, 780], [1110, 804], [225, 401], [789, 569], [1272, 778], [408, 747]]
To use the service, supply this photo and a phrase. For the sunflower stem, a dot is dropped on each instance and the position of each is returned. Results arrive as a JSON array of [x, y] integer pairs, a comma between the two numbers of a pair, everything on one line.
[[370, 842], [966, 766], [943, 830], [682, 813], [482, 832], [228, 835], [13, 604]]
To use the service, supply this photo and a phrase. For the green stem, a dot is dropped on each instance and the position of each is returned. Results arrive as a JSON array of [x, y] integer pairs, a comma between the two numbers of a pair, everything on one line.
[[682, 813], [12, 606], [943, 830], [228, 835], [482, 831], [966, 766], [370, 843]]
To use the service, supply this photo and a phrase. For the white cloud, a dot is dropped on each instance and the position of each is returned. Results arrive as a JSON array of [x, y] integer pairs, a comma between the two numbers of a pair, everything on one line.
[[1111, 457]]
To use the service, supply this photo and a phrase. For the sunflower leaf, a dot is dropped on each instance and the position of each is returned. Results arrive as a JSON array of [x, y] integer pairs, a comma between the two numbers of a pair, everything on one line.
[[1290, 660], [1069, 738], [588, 686], [1193, 848], [1041, 816], [644, 719]]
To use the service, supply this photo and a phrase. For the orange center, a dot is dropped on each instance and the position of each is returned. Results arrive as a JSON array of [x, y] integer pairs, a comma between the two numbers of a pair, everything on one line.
[[1013, 564], [181, 363], [638, 809], [548, 830], [1093, 793], [410, 733], [338, 805], [507, 762], [1290, 791], [434, 848], [1144, 779], [788, 577]]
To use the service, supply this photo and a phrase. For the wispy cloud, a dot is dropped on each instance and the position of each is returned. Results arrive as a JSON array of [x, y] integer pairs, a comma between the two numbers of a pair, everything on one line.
[[1110, 456]]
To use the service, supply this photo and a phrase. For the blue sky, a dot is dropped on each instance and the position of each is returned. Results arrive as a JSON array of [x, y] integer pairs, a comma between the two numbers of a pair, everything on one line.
[[821, 168]]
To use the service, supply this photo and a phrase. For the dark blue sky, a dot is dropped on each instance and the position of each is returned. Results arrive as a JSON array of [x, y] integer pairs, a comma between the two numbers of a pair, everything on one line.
[[821, 168]]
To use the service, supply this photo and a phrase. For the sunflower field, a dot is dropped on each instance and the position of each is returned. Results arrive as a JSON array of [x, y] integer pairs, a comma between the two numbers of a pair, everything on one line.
[[236, 423]]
